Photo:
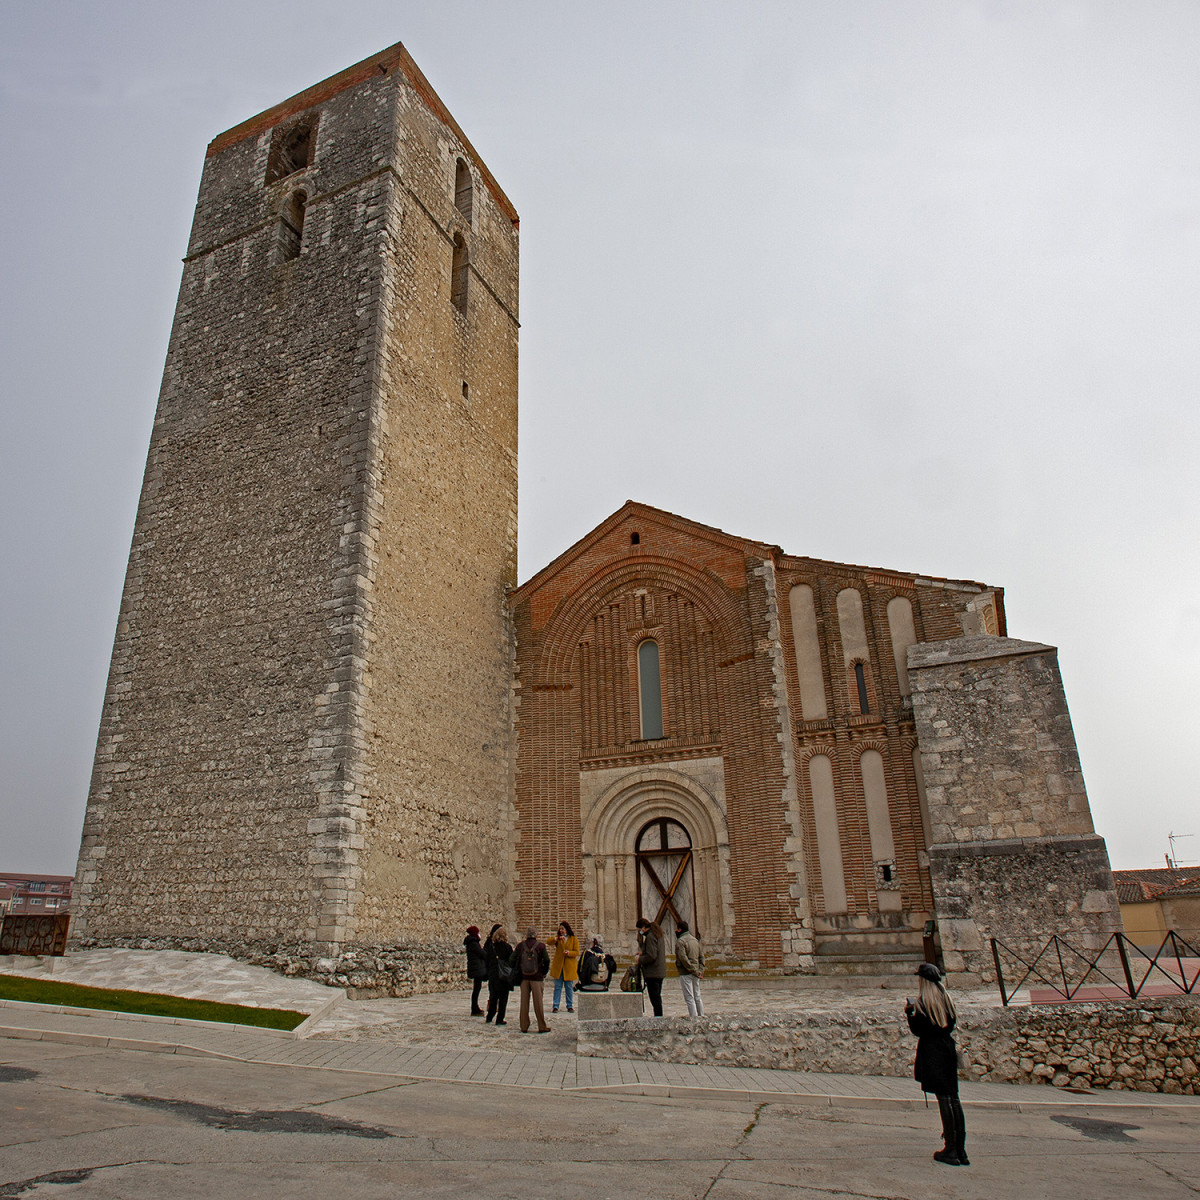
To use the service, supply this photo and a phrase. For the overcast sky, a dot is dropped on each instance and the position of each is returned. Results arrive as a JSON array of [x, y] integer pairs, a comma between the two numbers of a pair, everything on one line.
[[911, 285]]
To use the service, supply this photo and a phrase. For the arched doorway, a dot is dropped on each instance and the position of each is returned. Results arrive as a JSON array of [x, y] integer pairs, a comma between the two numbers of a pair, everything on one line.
[[665, 877], [662, 818]]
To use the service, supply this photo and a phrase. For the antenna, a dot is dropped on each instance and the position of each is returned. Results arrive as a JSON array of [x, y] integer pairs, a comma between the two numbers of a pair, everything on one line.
[[1172, 838]]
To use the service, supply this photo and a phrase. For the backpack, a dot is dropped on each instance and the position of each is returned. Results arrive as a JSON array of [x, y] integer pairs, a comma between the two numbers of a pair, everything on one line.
[[527, 959]]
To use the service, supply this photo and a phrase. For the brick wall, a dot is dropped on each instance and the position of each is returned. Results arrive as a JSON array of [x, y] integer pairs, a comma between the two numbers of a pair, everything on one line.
[[717, 606]]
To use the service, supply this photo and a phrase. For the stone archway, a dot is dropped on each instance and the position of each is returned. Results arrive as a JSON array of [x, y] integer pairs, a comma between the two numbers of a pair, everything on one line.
[[618, 808]]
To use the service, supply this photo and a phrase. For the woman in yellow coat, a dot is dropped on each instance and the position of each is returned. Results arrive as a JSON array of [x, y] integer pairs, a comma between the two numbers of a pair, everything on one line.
[[564, 967]]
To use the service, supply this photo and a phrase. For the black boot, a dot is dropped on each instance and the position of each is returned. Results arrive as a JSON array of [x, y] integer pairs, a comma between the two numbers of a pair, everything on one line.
[[949, 1152], [960, 1133]]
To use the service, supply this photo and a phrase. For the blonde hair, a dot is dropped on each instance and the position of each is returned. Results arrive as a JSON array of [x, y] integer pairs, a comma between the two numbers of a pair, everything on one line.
[[934, 1001], [499, 934]]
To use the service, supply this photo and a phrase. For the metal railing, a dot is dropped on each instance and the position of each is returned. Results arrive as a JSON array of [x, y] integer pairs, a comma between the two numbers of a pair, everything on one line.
[[1066, 975]]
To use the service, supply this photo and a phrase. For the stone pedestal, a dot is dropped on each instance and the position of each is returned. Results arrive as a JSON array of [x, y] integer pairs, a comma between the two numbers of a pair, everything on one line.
[[608, 1006]]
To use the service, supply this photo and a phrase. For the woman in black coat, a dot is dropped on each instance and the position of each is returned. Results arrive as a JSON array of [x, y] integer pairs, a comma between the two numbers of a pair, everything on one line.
[[932, 1020], [496, 951], [476, 967]]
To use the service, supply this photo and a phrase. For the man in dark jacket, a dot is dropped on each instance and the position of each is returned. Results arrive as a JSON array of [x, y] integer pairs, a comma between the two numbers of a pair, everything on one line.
[[533, 961], [652, 960]]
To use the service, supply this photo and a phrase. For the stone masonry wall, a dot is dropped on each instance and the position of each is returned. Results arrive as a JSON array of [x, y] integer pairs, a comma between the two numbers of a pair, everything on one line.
[[1013, 852], [305, 733], [1144, 1045], [443, 522]]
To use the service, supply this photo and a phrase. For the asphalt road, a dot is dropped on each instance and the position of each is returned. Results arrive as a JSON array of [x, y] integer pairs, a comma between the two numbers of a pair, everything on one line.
[[88, 1123]]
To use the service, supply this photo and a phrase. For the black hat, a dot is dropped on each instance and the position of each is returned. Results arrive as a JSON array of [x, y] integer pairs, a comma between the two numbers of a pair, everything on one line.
[[929, 971]]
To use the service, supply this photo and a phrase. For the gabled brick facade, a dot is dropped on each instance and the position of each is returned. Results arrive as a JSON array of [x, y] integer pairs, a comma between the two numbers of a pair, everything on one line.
[[735, 765]]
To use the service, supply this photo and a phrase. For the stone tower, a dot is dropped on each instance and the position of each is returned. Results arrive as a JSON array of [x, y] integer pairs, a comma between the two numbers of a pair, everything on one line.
[[305, 738]]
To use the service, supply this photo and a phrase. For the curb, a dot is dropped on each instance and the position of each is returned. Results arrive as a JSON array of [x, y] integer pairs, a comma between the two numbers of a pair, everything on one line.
[[64, 1038], [307, 1025]]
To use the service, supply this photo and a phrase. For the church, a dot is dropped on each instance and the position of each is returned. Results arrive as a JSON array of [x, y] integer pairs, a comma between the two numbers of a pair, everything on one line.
[[335, 729]]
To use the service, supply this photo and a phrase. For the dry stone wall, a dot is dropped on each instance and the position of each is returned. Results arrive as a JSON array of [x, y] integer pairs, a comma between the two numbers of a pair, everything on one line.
[[1147, 1046]]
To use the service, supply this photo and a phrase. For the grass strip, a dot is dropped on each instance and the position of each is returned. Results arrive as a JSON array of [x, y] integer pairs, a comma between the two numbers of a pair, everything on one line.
[[74, 995]]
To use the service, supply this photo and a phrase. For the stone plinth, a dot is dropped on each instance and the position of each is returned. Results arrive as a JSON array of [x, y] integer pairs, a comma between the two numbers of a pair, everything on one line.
[[608, 1006]]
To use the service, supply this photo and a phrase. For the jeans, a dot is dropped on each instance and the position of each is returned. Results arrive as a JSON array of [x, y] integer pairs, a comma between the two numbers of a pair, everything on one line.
[[558, 987], [691, 995]]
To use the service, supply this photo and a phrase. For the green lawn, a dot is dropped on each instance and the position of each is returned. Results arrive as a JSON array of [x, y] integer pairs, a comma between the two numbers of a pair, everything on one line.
[[47, 991]]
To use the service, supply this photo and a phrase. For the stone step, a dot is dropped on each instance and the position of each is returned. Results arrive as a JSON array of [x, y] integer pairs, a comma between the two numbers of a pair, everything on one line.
[[838, 983], [879, 941], [895, 964]]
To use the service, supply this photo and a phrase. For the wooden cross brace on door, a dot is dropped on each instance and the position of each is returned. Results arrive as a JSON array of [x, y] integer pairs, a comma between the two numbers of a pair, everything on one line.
[[667, 893]]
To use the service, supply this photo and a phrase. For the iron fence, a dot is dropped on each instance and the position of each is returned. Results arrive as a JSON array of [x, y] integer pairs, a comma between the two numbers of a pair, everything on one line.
[[1064, 970]]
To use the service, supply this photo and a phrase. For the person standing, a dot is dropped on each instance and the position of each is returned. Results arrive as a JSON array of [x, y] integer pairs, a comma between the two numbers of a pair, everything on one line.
[[689, 960], [652, 960], [533, 961], [497, 951], [564, 969], [932, 1019], [476, 967]]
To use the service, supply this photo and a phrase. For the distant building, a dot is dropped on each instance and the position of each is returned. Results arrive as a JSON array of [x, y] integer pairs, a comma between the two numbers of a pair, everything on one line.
[[1158, 899], [35, 895]]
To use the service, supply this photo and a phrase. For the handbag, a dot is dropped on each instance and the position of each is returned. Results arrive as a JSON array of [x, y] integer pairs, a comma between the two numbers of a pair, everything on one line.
[[506, 973], [629, 980]]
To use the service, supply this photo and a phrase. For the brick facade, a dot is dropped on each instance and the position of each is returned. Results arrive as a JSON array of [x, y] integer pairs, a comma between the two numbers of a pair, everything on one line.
[[733, 766]]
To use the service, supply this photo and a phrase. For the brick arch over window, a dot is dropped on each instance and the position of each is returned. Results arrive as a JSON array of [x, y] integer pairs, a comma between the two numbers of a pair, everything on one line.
[[566, 627]]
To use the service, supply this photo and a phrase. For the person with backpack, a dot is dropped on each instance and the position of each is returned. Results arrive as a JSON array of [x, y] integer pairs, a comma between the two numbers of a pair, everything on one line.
[[476, 967], [498, 954], [596, 968], [533, 961]]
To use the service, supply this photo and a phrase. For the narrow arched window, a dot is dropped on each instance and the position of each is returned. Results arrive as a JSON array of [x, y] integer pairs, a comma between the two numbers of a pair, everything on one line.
[[650, 690], [860, 679], [459, 271], [291, 226], [464, 189]]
